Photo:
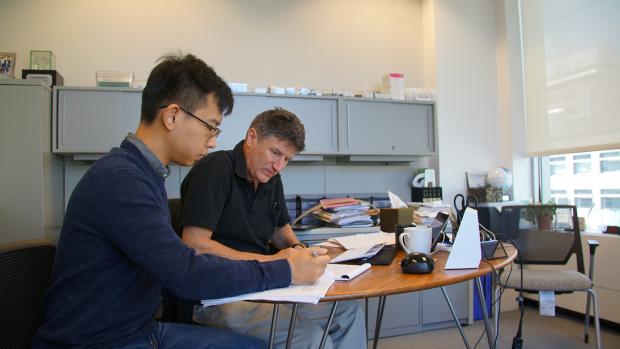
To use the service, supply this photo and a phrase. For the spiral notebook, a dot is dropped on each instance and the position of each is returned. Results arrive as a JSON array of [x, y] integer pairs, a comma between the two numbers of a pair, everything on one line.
[[346, 272]]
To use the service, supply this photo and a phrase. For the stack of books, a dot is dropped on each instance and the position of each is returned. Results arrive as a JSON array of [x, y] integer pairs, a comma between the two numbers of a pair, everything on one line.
[[344, 212]]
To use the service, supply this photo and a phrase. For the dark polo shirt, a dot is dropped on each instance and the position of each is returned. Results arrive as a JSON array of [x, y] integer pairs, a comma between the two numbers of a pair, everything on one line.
[[217, 195]]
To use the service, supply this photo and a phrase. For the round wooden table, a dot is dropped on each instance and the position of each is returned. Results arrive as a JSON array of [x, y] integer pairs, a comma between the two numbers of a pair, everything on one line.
[[384, 280]]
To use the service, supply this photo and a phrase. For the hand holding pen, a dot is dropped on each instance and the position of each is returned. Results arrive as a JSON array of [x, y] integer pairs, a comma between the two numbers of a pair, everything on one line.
[[308, 265]]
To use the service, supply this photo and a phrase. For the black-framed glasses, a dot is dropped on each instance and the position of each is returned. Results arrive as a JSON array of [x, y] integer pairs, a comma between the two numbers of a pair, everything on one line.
[[214, 130]]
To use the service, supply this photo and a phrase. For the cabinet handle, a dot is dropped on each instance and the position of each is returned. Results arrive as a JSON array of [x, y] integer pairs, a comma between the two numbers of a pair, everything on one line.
[[348, 129], [60, 116], [431, 136], [334, 128]]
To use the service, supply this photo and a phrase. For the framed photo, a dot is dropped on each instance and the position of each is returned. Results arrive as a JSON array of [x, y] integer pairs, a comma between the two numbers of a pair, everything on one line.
[[7, 64]]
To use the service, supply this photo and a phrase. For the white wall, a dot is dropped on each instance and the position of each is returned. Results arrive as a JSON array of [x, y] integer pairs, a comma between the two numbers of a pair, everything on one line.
[[467, 84], [341, 44], [337, 44]]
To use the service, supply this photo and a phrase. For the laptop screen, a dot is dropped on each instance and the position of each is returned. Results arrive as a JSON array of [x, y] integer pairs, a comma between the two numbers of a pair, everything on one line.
[[438, 225]]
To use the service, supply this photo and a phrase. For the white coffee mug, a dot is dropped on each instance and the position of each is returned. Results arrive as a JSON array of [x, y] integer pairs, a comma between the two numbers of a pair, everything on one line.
[[417, 239]]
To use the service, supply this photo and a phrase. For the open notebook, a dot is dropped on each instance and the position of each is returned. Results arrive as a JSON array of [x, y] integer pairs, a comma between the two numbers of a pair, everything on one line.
[[346, 272]]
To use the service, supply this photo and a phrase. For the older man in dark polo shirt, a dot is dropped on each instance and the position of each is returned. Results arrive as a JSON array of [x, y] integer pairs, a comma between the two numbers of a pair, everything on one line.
[[233, 207]]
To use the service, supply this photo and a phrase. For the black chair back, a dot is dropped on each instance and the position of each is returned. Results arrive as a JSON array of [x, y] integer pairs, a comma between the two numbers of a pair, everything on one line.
[[25, 276], [544, 234], [175, 214]]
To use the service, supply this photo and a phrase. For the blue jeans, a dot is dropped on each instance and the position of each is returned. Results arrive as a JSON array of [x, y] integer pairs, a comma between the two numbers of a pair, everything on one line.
[[181, 336]]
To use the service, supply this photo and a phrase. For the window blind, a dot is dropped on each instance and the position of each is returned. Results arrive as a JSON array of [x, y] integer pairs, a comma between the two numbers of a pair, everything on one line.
[[571, 53]]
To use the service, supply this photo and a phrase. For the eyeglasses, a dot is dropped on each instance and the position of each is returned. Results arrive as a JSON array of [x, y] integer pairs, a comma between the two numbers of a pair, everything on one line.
[[214, 130]]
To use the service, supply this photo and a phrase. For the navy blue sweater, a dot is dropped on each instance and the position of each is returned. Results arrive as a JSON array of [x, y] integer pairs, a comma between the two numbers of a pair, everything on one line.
[[117, 249]]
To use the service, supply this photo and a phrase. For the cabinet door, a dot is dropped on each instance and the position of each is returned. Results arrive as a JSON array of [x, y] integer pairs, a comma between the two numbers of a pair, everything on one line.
[[386, 128], [93, 121], [435, 309], [318, 116]]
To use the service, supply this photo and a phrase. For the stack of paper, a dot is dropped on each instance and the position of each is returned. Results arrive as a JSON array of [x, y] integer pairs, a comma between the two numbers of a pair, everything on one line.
[[425, 212], [294, 293], [344, 212], [359, 240]]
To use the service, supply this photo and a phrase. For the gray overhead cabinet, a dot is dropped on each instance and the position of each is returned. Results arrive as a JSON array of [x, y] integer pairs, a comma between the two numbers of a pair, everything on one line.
[[319, 116], [93, 120], [371, 128]]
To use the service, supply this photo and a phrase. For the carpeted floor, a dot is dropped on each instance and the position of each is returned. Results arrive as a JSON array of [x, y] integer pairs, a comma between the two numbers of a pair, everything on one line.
[[538, 332]]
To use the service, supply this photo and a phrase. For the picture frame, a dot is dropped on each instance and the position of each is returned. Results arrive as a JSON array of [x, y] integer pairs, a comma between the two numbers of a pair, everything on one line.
[[7, 65]]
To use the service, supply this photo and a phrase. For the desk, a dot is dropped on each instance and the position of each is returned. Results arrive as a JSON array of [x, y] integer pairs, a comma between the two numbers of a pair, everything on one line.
[[382, 281]]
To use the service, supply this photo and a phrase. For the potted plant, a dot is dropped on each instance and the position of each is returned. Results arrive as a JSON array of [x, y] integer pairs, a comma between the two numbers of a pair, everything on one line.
[[541, 214]]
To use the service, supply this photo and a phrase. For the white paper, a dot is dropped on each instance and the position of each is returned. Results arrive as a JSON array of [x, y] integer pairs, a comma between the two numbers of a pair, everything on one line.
[[395, 201], [364, 240], [346, 272], [465, 252], [546, 301], [357, 253], [294, 293]]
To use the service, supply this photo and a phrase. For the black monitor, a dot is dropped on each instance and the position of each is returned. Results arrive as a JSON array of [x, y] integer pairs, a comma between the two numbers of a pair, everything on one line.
[[438, 225]]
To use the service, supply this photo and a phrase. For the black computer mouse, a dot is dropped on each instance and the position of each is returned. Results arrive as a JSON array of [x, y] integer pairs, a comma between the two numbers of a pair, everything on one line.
[[417, 263]]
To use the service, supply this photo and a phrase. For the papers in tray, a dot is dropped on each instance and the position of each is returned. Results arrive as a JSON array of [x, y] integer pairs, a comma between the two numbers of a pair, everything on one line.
[[364, 240], [357, 253], [346, 272], [294, 293]]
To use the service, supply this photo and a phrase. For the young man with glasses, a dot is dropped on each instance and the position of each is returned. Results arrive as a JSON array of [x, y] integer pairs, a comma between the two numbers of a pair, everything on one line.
[[117, 249], [233, 207]]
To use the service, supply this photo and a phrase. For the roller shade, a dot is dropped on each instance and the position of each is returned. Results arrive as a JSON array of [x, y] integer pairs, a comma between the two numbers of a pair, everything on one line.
[[571, 58]]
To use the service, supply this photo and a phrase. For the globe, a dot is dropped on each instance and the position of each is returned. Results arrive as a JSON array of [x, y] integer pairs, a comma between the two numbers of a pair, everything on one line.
[[499, 177]]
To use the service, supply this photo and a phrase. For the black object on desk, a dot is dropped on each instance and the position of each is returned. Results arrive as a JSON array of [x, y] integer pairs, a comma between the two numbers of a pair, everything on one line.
[[461, 204], [385, 256], [417, 263]]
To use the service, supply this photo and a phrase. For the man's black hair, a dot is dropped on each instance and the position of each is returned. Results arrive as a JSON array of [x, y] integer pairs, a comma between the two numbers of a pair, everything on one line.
[[185, 80], [282, 124]]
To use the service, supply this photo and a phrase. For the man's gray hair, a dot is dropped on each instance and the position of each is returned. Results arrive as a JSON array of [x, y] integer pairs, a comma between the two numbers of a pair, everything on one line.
[[282, 124]]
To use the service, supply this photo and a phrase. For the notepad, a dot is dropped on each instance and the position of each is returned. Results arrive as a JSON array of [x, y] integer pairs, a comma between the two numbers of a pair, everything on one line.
[[346, 272]]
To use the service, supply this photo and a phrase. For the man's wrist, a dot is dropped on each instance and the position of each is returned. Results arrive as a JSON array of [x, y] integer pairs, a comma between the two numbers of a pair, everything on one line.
[[298, 244]]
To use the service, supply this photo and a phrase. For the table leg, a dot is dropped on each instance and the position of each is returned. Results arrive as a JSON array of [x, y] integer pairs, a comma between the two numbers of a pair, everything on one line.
[[329, 324], [274, 319], [456, 319], [366, 318], [485, 315], [380, 309], [291, 327]]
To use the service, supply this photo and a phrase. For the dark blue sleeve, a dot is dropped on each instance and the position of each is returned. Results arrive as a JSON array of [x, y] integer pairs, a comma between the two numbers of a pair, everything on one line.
[[134, 219]]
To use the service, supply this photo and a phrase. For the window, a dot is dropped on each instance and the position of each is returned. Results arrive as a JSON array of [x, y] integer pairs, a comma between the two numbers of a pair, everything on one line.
[[610, 162], [557, 165], [582, 163], [595, 191], [560, 197]]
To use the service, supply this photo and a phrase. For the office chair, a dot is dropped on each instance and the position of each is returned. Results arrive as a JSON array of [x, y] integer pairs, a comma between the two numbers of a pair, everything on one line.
[[548, 241], [25, 276], [173, 308]]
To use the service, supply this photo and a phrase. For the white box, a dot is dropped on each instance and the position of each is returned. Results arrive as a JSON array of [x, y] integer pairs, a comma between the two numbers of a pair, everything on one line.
[[419, 94], [394, 84], [238, 86]]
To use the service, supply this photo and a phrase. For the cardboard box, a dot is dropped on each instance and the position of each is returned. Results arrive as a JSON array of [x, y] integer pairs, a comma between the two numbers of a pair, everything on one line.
[[390, 217]]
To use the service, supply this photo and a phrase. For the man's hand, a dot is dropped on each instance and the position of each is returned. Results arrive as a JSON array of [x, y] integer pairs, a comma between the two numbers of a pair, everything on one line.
[[307, 265]]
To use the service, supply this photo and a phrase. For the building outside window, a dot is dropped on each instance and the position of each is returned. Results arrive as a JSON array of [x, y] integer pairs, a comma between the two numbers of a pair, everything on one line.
[[593, 185], [610, 161], [582, 163]]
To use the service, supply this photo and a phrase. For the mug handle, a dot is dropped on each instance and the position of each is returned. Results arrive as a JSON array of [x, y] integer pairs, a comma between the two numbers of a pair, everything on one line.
[[401, 239]]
